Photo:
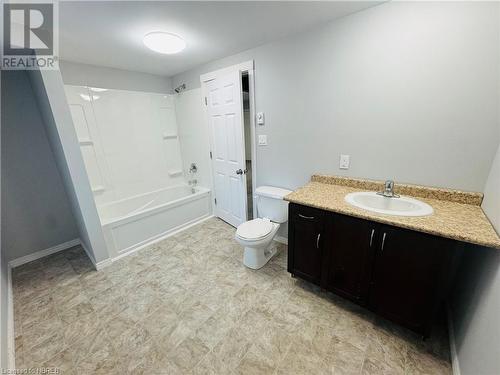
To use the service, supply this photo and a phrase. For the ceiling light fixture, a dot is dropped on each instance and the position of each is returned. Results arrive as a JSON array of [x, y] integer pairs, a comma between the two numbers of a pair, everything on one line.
[[89, 98], [97, 89], [163, 42]]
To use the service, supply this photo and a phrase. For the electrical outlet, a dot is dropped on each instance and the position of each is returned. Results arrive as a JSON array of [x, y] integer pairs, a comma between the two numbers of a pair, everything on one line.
[[262, 140], [344, 161]]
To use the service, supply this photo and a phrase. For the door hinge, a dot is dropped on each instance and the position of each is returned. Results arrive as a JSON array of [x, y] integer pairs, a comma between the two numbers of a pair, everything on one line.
[[210, 154], [215, 199], [206, 101]]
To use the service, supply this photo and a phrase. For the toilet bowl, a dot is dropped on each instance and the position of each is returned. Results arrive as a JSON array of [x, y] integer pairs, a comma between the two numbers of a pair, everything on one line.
[[256, 235]]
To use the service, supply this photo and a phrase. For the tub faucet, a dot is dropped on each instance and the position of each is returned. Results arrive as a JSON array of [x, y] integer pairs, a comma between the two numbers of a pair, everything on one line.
[[388, 190], [193, 168]]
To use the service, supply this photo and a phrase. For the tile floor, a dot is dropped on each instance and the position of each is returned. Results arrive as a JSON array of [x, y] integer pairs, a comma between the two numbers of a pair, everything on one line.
[[187, 305]]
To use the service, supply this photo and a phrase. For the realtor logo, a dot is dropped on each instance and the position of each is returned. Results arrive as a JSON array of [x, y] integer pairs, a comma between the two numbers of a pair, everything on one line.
[[29, 36]]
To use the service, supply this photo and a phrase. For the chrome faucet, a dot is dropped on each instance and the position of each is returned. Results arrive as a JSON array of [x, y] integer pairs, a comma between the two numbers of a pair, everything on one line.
[[388, 190]]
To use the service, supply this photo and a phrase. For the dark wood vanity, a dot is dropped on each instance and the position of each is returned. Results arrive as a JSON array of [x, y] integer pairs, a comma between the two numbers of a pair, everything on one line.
[[400, 274]]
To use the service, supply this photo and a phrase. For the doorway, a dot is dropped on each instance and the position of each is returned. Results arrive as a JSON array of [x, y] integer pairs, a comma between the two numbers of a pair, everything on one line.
[[245, 84], [229, 106]]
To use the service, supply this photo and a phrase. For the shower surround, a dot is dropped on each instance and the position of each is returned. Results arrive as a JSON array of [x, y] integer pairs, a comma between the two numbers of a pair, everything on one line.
[[132, 153]]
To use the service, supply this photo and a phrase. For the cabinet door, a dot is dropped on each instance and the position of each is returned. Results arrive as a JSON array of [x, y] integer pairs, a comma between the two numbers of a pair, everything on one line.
[[305, 242], [409, 277], [349, 256]]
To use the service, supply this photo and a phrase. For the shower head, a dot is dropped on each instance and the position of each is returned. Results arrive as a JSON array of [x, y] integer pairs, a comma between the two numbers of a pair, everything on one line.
[[180, 88]]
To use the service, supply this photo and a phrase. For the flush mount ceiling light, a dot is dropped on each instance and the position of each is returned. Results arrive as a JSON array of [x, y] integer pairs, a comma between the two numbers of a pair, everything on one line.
[[97, 89], [89, 98], [163, 42]]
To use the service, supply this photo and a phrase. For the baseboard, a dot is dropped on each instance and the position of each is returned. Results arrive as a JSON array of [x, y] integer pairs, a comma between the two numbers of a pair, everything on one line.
[[455, 364], [43, 253], [281, 239], [11, 346]]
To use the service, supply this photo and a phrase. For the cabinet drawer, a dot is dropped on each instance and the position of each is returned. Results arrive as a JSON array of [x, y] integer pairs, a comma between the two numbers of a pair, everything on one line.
[[305, 214]]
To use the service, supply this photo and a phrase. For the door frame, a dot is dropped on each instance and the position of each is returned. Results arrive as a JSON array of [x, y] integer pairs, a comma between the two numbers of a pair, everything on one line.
[[245, 67]]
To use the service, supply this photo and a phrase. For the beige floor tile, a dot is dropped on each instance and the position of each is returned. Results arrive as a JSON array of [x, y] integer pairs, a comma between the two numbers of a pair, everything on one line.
[[301, 360], [63, 362], [254, 363], [232, 348], [345, 358], [101, 362], [211, 364], [187, 305], [188, 353], [213, 330], [44, 350], [418, 362]]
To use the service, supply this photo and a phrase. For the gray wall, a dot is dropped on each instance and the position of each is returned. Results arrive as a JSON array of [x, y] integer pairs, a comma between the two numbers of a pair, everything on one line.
[[476, 303], [475, 312], [49, 92], [35, 209], [408, 89], [98, 76], [3, 313]]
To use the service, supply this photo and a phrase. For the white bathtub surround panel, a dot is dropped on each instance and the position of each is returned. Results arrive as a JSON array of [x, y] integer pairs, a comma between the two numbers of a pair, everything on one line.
[[132, 223], [193, 135], [167, 120], [89, 139], [131, 127], [128, 140]]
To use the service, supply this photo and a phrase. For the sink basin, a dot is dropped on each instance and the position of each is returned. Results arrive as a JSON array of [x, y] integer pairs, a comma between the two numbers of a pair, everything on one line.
[[402, 206]]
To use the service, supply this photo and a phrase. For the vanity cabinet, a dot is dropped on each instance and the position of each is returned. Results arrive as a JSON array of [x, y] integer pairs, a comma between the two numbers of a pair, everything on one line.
[[349, 255], [409, 276], [305, 228], [397, 273]]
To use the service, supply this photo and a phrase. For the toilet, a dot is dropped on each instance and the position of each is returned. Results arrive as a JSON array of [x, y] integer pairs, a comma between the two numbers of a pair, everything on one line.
[[256, 235]]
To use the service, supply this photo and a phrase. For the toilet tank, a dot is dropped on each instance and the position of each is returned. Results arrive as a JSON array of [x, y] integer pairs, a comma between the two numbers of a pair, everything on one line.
[[270, 203]]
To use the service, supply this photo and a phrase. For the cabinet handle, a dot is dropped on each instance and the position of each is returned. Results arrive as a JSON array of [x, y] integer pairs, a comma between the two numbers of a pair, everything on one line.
[[317, 240], [371, 237], [383, 241], [306, 217]]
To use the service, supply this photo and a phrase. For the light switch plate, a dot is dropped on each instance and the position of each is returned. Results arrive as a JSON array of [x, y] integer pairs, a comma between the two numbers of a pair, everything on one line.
[[260, 118], [262, 140], [344, 161]]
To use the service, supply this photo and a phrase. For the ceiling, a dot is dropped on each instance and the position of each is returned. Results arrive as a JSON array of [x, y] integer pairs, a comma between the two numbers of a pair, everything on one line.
[[109, 33]]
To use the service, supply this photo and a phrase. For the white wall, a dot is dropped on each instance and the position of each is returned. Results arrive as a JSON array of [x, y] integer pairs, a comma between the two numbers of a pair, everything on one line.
[[193, 134], [408, 89], [49, 92], [133, 147], [98, 76], [36, 213]]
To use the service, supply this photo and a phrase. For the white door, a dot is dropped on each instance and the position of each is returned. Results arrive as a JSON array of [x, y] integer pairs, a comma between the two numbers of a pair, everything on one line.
[[225, 116]]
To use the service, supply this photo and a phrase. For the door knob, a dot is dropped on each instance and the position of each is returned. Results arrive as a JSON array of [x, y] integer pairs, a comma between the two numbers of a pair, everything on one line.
[[241, 171]]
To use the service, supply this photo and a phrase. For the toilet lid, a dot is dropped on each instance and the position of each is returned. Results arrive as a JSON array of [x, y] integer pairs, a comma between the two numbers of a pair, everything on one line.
[[254, 229]]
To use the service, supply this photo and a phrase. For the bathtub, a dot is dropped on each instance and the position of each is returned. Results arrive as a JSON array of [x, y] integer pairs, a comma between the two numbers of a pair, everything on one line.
[[134, 222]]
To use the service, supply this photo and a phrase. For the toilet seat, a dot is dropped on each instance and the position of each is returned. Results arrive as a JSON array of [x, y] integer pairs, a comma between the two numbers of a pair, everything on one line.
[[255, 229]]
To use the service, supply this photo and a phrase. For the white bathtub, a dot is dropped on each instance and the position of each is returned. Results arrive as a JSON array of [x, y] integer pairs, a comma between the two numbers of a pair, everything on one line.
[[134, 222]]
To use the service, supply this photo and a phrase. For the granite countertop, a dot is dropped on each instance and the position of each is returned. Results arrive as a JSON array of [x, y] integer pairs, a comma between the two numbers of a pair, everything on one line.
[[452, 218]]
